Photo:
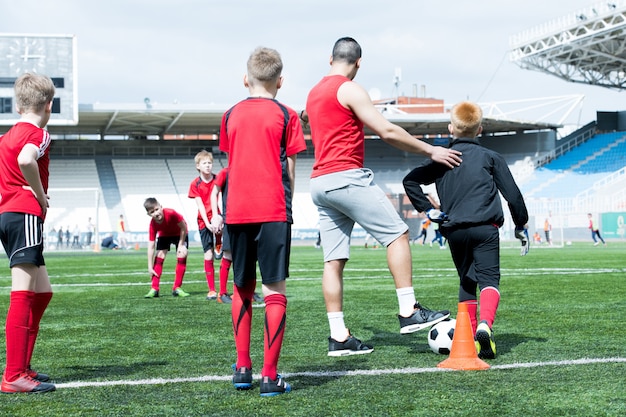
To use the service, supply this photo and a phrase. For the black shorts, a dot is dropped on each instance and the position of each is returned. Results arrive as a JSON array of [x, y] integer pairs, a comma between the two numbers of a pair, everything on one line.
[[267, 243], [22, 238], [206, 237], [164, 242], [225, 240]]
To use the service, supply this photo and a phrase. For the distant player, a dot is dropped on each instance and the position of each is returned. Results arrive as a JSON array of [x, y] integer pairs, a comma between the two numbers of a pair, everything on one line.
[[167, 228], [595, 230], [200, 190], [547, 230], [470, 216], [24, 162]]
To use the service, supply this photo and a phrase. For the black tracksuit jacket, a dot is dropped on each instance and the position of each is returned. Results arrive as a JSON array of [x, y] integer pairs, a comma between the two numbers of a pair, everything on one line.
[[469, 192]]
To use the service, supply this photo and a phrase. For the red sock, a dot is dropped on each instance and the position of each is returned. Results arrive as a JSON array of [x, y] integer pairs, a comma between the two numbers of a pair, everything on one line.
[[209, 270], [39, 306], [489, 300], [17, 333], [224, 268], [472, 307], [275, 317], [158, 268], [181, 267], [242, 323]]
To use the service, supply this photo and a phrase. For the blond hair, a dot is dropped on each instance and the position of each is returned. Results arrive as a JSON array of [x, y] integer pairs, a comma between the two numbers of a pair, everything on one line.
[[203, 154], [466, 118], [33, 92], [264, 65]]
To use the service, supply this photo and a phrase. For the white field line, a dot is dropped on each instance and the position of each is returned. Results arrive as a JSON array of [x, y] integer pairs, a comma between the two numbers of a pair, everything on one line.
[[424, 273], [364, 372]]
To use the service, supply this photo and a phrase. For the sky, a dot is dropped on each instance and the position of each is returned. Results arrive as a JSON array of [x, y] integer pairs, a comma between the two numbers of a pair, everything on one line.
[[195, 51]]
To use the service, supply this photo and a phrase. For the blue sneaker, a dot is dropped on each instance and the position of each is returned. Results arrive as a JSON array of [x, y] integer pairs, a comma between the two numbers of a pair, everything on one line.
[[242, 377], [271, 387]]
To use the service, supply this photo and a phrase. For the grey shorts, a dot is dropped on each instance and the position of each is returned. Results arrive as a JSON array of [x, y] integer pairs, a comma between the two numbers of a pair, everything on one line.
[[349, 197]]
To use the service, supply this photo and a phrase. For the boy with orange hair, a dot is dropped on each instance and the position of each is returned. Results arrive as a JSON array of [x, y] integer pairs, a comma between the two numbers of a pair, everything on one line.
[[470, 215]]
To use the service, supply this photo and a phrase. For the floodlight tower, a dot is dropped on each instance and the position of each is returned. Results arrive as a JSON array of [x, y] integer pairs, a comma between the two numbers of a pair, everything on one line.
[[397, 78], [588, 46]]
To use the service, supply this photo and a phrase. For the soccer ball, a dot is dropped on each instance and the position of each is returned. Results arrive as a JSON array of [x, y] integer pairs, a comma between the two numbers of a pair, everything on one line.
[[440, 336]]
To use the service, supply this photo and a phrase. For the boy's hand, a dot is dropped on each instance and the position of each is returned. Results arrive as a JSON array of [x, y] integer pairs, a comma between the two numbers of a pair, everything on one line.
[[181, 251], [217, 223], [437, 216], [522, 234]]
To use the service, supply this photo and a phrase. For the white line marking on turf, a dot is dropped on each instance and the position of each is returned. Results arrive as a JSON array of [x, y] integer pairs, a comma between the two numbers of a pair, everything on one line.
[[363, 372]]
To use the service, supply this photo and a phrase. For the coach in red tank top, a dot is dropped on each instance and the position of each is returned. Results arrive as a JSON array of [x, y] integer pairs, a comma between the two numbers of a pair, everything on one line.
[[343, 190]]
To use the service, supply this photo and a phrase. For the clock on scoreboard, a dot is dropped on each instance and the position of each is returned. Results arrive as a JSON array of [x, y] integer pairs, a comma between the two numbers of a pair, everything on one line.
[[52, 55]]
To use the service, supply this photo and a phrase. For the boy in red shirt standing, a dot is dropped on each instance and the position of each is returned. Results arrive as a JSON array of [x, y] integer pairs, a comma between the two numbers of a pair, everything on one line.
[[260, 132], [24, 162], [167, 228], [200, 190]]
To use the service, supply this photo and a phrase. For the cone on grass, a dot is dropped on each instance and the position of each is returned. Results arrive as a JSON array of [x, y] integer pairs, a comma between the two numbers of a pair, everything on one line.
[[136, 245], [463, 356]]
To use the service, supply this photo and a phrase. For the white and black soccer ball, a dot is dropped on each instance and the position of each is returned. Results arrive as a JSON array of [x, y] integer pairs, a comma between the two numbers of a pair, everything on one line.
[[440, 336]]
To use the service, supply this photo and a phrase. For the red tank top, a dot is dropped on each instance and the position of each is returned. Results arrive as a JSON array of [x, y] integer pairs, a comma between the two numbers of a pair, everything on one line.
[[336, 132]]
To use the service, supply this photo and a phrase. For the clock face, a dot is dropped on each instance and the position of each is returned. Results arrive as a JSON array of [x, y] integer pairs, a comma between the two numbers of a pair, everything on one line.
[[26, 55]]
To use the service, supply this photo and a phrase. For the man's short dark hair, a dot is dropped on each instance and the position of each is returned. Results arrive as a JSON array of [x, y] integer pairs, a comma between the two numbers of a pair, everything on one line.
[[346, 49]]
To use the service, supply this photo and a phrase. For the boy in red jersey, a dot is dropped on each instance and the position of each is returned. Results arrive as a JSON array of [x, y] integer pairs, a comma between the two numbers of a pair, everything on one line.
[[260, 132], [345, 193], [168, 228], [200, 190], [24, 161]]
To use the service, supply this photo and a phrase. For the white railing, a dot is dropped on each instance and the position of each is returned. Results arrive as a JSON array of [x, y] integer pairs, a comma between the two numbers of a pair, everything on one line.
[[597, 10]]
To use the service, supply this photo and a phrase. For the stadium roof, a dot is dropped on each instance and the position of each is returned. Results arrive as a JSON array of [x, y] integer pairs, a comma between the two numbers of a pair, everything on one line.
[[587, 47], [110, 120]]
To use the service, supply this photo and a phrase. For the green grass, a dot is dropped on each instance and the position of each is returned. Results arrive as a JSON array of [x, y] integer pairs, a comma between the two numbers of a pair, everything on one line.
[[559, 307]]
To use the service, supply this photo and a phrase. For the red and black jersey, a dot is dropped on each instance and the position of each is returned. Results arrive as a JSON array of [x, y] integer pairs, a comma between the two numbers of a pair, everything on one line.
[[202, 189], [259, 134], [14, 197], [168, 227], [221, 181]]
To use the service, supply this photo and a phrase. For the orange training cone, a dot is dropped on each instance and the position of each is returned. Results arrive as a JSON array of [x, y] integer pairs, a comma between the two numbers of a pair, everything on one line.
[[136, 245], [463, 356]]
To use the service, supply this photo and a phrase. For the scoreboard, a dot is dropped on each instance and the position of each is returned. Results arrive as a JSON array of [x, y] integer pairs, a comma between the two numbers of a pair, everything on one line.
[[51, 55]]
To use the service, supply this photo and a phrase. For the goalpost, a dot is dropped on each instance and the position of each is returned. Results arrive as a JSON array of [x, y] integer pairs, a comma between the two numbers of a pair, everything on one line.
[[70, 208]]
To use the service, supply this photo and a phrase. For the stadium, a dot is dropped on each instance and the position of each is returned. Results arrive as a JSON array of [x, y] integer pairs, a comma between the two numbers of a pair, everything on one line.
[[106, 159], [125, 153]]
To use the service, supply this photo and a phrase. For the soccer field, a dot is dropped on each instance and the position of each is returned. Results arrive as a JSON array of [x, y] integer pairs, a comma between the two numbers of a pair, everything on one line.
[[559, 331]]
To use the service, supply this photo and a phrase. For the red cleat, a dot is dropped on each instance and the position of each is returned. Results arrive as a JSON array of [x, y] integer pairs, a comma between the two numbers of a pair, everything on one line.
[[25, 384]]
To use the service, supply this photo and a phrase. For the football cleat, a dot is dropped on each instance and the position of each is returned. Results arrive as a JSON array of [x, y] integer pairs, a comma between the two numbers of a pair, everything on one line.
[[242, 377], [152, 294], [37, 376], [178, 292], [485, 345], [25, 384], [272, 387], [212, 295], [224, 299]]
